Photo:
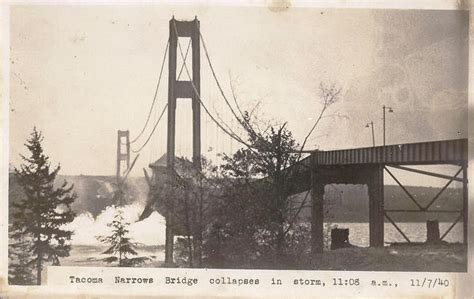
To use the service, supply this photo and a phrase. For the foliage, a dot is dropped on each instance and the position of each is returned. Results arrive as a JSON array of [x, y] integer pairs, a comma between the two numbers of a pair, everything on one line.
[[256, 219], [44, 209], [233, 238], [182, 256], [263, 168], [120, 245], [19, 270], [184, 193]]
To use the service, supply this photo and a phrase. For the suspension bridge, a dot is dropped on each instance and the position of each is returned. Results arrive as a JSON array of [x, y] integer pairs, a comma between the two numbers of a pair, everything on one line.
[[365, 166]]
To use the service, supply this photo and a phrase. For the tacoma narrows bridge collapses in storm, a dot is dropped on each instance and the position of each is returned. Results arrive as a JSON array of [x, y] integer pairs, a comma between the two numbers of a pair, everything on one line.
[[349, 166]]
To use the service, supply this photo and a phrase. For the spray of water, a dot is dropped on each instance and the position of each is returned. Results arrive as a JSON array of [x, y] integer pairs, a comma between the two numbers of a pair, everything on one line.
[[150, 231]]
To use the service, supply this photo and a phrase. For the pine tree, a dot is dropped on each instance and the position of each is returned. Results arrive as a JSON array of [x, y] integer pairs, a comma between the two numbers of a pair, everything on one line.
[[120, 244], [19, 272], [44, 209]]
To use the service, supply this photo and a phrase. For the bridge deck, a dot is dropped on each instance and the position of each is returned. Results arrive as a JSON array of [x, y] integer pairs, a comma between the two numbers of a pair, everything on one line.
[[435, 152], [366, 166]]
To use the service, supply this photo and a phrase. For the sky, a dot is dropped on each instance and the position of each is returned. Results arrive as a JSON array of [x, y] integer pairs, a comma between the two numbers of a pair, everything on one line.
[[80, 73]]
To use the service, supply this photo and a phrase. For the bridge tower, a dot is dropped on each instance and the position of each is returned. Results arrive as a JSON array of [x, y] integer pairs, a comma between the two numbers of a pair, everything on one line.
[[123, 152], [184, 89]]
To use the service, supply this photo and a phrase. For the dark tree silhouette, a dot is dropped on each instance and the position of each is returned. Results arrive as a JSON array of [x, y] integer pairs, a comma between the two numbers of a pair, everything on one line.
[[257, 218], [19, 272], [43, 210]]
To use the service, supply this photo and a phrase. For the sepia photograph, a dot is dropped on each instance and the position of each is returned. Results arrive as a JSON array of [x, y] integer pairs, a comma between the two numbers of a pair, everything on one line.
[[236, 137]]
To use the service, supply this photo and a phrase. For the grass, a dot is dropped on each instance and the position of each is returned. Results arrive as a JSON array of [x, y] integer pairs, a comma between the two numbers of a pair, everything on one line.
[[91, 256], [400, 257], [446, 257]]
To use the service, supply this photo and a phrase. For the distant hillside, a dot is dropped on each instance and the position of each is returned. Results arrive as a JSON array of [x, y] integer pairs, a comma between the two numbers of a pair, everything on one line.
[[344, 203], [94, 192], [350, 203]]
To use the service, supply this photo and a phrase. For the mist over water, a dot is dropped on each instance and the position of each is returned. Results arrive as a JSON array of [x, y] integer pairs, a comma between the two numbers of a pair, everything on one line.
[[150, 231], [95, 208]]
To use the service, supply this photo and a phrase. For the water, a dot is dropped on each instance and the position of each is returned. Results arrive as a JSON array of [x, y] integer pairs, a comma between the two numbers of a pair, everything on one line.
[[87, 250], [415, 231], [151, 231]]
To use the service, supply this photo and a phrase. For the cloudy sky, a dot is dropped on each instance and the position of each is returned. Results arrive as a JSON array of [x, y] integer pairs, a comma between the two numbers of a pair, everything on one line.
[[80, 73]]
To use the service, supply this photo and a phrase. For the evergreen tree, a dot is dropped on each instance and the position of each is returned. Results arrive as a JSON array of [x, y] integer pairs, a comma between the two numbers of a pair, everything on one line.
[[19, 272], [120, 244], [44, 209]]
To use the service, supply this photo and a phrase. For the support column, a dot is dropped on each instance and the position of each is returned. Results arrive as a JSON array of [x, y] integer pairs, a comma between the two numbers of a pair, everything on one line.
[[185, 89], [317, 213], [465, 207], [169, 239], [119, 152], [195, 39], [170, 151], [376, 208]]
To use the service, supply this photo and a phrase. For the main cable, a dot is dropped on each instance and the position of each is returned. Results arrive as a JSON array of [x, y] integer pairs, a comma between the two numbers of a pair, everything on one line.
[[218, 83], [155, 96], [242, 121], [153, 131], [235, 137]]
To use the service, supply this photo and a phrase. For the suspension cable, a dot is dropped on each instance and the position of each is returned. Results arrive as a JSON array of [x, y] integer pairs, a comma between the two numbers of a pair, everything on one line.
[[155, 96], [153, 131], [218, 83], [241, 121], [235, 137], [156, 90]]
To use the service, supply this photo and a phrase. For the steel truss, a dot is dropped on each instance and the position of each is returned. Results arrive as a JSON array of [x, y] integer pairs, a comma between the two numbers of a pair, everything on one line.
[[425, 209]]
